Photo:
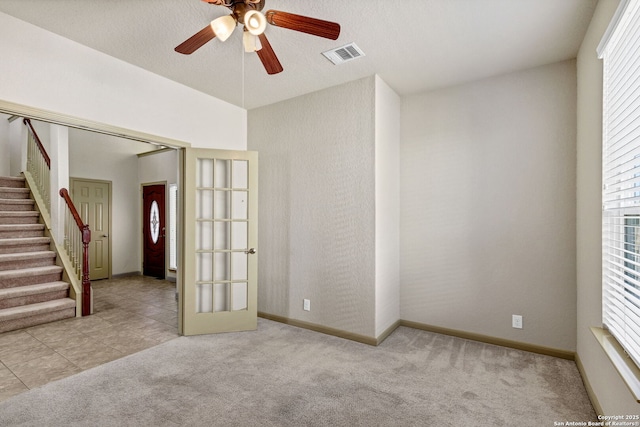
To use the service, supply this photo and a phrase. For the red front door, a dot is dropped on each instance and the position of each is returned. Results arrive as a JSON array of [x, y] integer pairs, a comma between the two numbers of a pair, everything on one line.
[[153, 230]]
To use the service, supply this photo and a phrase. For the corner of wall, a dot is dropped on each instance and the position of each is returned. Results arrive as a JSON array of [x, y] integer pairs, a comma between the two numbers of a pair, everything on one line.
[[387, 206]]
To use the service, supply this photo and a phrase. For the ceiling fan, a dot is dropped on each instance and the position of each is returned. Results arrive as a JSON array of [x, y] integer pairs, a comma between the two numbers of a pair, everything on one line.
[[248, 13]]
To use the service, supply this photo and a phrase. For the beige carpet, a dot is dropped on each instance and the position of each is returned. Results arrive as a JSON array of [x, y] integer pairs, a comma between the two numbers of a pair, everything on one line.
[[285, 376]]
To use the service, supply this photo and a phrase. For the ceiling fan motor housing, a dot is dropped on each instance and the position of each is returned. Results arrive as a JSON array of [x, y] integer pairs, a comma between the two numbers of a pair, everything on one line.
[[241, 7]]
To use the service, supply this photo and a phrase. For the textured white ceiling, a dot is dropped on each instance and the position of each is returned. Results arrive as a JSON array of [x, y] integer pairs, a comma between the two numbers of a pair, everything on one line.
[[414, 45]]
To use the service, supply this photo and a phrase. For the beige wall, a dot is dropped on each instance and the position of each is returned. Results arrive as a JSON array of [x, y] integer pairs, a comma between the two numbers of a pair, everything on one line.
[[488, 206], [317, 203], [612, 394]]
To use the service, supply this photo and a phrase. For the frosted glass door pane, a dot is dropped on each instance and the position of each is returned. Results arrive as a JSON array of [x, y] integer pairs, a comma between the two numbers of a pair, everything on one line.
[[204, 173], [239, 296], [222, 205], [239, 205], [221, 297], [204, 235], [222, 174], [240, 174], [239, 263], [240, 236], [222, 235], [154, 222], [204, 267], [204, 203], [222, 266], [204, 298]]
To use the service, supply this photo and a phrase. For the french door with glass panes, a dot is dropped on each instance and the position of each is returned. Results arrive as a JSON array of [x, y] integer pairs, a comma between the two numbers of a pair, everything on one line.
[[220, 239]]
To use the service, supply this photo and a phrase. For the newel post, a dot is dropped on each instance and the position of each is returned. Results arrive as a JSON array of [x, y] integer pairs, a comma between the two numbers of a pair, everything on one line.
[[86, 283], [86, 238]]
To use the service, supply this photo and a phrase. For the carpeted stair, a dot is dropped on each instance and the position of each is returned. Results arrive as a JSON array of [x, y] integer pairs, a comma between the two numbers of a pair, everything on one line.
[[31, 288]]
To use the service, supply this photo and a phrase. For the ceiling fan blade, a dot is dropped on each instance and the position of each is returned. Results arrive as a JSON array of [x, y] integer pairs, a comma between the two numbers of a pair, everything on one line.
[[196, 41], [304, 24], [268, 56]]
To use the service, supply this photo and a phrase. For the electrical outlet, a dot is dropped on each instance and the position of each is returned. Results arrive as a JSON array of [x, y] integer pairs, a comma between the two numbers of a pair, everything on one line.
[[516, 321], [306, 304]]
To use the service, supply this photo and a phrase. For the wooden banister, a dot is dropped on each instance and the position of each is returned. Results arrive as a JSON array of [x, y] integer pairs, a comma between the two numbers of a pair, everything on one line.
[[86, 239], [38, 143]]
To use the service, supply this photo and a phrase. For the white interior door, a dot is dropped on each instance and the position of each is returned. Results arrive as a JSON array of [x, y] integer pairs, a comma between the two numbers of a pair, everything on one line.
[[220, 234]]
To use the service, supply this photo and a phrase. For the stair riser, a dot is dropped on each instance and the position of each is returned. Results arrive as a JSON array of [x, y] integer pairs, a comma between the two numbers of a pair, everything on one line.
[[33, 299], [17, 193], [19, 249], [25, 322], [12, 183], [30, 280], [14, 234], [26, 263], [19, 219]]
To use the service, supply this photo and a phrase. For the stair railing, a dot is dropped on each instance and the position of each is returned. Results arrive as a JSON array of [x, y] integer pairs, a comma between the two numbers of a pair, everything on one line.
[[77, 237], [38, 164], [73, 252]]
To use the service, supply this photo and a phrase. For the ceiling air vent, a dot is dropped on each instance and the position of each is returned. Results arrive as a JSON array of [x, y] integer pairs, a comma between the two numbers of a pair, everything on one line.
[[342, 54]]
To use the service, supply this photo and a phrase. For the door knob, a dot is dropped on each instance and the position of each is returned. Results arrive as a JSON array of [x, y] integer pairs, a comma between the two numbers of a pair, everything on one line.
[[250, 251], [105, 235]]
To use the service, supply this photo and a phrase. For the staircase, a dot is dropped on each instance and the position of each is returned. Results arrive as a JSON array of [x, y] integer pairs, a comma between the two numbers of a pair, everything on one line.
[[31, 288]]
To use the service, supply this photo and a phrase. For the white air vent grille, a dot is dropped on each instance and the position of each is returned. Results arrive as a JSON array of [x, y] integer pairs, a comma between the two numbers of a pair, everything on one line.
[[342, 54]]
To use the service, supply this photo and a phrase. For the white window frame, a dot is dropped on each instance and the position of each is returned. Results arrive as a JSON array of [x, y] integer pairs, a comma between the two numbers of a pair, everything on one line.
[[621, 193]]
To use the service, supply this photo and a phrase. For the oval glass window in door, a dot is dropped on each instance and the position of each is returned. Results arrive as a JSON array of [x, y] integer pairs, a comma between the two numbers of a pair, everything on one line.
[[154, 222]]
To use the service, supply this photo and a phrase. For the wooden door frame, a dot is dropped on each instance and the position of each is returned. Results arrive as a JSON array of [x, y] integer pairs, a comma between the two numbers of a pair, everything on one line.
[[72, 181], [141, 224]]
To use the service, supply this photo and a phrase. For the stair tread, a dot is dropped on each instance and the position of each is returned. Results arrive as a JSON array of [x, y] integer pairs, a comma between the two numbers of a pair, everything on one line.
[[26, 255], [21, 226], [17, 201], [33, 289], [19, 213], [34, 271], [12, 178], [37, 308], [15, 189], [15, 241]]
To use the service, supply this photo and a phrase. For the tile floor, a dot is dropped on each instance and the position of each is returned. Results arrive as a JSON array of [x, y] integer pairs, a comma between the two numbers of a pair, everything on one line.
[[130, 314]]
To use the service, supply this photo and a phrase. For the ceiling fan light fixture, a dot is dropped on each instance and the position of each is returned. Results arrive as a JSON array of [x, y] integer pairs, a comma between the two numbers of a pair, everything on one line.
[[223, 26], [251, 42], [255, 22]]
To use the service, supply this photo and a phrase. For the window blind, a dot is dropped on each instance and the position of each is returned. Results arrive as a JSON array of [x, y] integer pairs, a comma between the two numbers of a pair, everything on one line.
[[621, 181]]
